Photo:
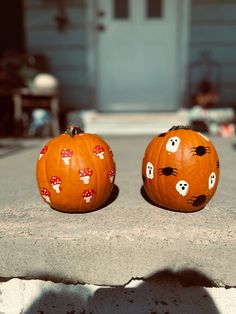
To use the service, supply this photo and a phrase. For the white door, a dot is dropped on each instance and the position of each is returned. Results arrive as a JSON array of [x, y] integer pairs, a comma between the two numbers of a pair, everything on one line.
[[138, 55]]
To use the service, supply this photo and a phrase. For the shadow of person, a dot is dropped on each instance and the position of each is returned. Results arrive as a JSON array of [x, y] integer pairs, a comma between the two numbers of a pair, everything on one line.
[[165, 292], [57, 298]]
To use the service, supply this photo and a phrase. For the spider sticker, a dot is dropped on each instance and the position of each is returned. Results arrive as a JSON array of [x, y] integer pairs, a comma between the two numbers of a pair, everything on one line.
[[150, 170], [199, 200], [200, 150], [182, 187], [212, 180], [173, 144], [168, 171]]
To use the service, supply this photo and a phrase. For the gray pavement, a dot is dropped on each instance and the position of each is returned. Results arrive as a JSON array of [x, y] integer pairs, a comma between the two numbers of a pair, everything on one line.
[[129, 238]]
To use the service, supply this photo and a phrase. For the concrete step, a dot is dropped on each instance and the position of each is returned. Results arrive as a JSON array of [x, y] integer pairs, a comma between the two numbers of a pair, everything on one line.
[[128, 123], [138, 297], [129, 238]]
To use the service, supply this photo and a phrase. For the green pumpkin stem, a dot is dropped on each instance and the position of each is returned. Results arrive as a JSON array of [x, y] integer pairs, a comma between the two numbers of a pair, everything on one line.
[[73, 130]]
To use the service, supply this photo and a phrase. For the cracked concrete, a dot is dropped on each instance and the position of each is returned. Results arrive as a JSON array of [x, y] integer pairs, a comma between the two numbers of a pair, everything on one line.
[[127, 238]]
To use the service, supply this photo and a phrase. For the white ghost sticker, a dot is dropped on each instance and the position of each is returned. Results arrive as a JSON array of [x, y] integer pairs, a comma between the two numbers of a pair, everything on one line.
[[212, 180], [182, 187], [150, 170], [173, 144]]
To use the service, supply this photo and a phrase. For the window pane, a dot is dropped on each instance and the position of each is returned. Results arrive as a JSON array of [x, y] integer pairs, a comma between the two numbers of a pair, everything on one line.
[[121, 9], [154, 8]]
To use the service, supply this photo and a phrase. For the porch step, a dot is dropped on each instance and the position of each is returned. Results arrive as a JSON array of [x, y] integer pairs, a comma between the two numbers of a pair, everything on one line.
[[128, 238], [129, 123]]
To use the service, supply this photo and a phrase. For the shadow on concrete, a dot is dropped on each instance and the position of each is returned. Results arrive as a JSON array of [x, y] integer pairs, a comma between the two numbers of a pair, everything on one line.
[[60, 300], [165, 292], [112, 197]]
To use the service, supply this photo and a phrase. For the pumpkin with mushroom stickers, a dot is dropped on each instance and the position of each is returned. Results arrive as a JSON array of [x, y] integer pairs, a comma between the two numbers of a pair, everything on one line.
[[71, 169]]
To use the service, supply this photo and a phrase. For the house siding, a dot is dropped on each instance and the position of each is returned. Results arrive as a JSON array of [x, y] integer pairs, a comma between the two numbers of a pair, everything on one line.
[[213, 29], [66, 51]]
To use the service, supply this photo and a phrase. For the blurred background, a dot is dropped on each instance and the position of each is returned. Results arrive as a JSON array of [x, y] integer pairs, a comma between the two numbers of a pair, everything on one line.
[[110, 63]]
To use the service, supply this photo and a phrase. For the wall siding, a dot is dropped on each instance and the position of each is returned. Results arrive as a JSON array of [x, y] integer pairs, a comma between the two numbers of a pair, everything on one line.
[[66, 51], [213, 29]]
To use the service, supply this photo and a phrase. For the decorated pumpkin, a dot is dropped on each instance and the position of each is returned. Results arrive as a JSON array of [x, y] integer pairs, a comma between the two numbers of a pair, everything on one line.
[[75, 171], [180, 170]]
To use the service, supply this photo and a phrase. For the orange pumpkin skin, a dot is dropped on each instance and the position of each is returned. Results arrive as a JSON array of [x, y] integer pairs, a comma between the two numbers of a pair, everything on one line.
[[75, 172], [180, 170]]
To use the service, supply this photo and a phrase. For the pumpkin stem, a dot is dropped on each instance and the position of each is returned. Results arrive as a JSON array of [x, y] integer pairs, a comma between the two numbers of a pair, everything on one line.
[[180, 127], [73, 130]]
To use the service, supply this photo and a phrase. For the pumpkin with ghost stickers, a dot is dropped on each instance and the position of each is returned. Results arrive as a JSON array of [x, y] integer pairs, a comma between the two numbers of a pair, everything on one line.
[[180, 170], [75, 171]]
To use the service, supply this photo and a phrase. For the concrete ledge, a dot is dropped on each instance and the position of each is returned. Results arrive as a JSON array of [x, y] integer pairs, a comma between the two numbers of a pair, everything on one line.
[[165, 296], [128, 238]]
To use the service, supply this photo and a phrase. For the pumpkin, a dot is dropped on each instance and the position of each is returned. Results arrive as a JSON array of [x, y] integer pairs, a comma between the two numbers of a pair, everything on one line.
[[75, 171], [180, 170]]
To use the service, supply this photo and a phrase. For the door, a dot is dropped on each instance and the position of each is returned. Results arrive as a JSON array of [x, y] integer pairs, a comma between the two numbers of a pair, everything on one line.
[[137, 55]]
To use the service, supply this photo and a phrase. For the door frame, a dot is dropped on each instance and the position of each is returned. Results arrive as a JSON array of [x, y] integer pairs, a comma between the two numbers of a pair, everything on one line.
[[93, 60]]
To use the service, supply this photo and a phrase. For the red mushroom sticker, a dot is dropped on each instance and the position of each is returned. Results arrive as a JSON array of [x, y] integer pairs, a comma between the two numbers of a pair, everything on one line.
[[45, 194], [88, 194], [56, 183], [99, 151], [66, 155], [85, 175], [111, 175], [43, 151]]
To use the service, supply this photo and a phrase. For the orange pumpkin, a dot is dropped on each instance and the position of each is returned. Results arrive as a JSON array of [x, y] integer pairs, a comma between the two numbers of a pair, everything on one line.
[[75, 171], [180, 170]]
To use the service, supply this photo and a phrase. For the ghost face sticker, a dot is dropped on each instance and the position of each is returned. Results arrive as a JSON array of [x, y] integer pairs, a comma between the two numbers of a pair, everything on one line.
[[182, 187], [173, 144], [150, 170], [212, 180]]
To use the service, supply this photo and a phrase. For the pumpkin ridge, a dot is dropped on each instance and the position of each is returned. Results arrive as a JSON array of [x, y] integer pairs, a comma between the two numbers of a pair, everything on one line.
[[150, 150], [46, 161], [77, 141], [158, 143], [42, 173], [107, 186], [91, 143], [165, 139]]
